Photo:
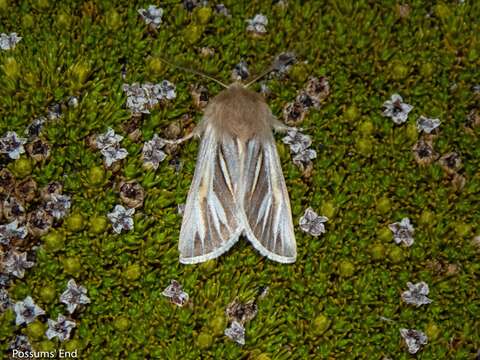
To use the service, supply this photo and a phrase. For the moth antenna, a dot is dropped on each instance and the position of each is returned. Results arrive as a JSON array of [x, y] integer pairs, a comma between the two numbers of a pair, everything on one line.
[[258, 77], [282, 60], [192, 71]]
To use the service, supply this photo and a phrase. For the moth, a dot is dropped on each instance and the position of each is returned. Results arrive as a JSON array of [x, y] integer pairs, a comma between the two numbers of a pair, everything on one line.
[[238, 186]]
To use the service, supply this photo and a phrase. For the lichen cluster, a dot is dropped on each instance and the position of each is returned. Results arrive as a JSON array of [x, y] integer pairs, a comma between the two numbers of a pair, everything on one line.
[[64, 77]]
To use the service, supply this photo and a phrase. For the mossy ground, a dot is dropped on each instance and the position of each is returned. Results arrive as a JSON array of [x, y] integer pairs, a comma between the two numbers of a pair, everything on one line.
[[329, 304]]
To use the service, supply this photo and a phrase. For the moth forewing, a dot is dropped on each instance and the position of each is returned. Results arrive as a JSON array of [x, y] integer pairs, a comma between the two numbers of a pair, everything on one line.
[[268, 223], [210, 224], [238, 186]]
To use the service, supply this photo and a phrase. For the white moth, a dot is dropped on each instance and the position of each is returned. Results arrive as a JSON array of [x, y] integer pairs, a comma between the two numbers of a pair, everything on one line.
[[238, 187]]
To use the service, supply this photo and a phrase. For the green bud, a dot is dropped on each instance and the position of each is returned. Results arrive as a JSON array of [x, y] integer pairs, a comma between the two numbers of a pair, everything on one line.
[[75, 222], [366, 128], [263, 356], [133, 272], [352, 113], [96, 175], [98, 224], [298, 73], [193, 33], [48, 294], [385, 234], [8, 317], [442, 11], [73, 345], [472, 55], [364, 146], [22, 167], [72, 265], [151, 253], [203, 15], [412, 132], [20, 291], [80, 72], [122, 323], [35, 330], [11, 67], [155, 65], [64, 20], [396, 254], [46, 345], [432, 331], [427, 218], [41, 4], [383, 205], [377, 251], [54, 241], [427, 70], [28, 21], [204, 340], [328, 209], [346, 268], [399, 70], [4, 5], [463, 229], [113, 19], [208, 266], [131, 170], [320, 324], [217, 324]]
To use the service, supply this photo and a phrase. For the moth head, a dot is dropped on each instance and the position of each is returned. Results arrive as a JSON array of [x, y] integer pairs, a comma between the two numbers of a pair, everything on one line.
[[279, 61]]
